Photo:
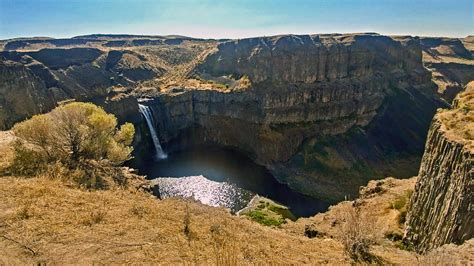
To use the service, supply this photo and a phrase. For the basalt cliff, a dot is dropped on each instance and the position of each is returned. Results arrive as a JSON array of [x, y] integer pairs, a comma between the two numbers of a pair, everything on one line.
[[318, 108], [441, 211], [325, 113]]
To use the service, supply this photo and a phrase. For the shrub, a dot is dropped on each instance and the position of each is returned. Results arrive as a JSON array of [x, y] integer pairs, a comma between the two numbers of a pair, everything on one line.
[[358, 233], [93, 218], [81, 137], [23, 213], [26, 161], [269, 213], [139, 211]]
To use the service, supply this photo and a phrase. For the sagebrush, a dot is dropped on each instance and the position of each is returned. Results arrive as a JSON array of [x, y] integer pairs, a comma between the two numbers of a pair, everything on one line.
[[79, 137]]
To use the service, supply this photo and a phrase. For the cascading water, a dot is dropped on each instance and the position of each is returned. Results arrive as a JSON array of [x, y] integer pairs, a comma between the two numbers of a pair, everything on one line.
[[146, 111]]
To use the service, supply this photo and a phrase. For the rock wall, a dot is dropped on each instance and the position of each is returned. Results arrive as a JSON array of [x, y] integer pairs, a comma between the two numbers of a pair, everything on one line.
[[22, 94], [441, 209], [33, 82], [269, 125], [313, 58], [323, 136], [450, 62]]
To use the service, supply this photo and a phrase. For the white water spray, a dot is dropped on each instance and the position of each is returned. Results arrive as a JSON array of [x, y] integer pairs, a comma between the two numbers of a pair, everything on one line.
[[145, 110]]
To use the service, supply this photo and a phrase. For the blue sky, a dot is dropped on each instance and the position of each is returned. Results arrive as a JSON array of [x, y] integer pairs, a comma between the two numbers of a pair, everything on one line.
[[234, 19]]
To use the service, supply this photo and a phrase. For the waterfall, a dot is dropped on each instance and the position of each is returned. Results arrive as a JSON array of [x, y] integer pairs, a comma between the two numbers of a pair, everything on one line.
[[146, 111]]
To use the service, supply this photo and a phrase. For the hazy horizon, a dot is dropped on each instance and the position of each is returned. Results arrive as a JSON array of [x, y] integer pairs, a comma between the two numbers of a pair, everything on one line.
[[223, 38], [234, 19]]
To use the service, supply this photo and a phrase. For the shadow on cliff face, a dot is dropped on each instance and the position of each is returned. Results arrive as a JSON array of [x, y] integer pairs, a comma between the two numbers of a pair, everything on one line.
[[334, 167]]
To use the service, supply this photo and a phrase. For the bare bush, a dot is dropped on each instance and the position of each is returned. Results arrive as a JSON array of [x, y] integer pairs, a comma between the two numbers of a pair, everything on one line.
[[358, 233]]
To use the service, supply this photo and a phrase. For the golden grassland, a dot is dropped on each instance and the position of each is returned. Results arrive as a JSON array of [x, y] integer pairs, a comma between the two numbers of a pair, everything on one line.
[[44, 220], [380, 217]]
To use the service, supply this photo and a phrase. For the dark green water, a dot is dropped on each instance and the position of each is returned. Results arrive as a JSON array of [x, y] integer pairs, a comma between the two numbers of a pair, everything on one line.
[[222, 177]]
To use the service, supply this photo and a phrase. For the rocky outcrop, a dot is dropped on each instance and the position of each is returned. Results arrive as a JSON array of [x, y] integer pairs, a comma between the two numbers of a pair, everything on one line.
[[29, 43], [390, 145], [123, 106], [97, 40], [441, 209], [269, 125], [22, 94], [131, 65], [445, 47], [313, 58], [451, 63], [35, 81], [88, 68], [63, 58]]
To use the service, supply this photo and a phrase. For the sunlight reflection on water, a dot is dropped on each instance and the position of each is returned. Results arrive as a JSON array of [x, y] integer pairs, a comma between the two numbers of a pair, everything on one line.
[[222, 177], [206, 191]]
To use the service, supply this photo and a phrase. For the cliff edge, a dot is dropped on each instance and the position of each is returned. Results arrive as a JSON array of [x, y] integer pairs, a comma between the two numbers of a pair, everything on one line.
[[441, 207]]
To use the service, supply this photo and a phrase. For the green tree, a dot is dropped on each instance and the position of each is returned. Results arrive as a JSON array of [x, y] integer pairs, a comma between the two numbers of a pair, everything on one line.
[[74, 135]]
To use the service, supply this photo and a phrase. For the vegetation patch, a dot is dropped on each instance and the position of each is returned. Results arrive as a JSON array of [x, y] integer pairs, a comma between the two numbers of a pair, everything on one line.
[[401, 204], [268, 213], [78, 142], [263, 218], [93, 218]]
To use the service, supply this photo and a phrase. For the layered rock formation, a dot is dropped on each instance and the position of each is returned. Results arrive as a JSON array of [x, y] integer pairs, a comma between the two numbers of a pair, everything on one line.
[[451, 62], [324, 113], [441, 209], [22, 94], [83, 69], [309, 59]]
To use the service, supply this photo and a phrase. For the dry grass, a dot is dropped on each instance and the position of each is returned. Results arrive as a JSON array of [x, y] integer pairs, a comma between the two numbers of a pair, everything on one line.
[[450, 255], [371, 219], [367, 220], [458, 123], [64, 225], [6, 153], [45, 220]]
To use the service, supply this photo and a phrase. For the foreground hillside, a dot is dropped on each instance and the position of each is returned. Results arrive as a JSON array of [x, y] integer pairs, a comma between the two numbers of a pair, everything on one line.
[[64, 226], [43, 220], [46, 220]]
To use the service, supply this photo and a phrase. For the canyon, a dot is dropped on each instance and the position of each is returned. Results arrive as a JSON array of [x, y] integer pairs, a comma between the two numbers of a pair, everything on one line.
[[324, 113]]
